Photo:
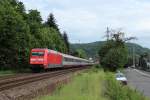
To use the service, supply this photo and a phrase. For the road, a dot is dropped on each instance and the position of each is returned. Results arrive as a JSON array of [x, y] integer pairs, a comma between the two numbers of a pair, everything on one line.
[[139, 80]]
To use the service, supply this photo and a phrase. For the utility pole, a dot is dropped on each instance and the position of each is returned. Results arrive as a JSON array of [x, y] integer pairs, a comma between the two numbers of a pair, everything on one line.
[[79, 44], [107, 33], [148, 57], [133, 56]]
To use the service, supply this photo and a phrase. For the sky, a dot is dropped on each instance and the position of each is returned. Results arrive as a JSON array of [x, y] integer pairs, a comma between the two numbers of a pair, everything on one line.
[[86, 20]]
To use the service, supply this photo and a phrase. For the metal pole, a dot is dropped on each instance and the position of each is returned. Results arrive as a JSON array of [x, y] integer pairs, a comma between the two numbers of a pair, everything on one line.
[[133, 56]]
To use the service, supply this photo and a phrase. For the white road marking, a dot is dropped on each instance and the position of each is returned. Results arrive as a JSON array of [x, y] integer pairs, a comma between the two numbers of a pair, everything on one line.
[[142, 73]]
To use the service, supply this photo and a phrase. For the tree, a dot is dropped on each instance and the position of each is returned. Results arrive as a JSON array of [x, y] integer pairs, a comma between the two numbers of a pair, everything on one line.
[[20, 8], [51, 22], [34, 16], [143, 61], [114, 59], [14, 37], [65, 37], [113, 54], [34, 20], [12, 3], [80, 53]]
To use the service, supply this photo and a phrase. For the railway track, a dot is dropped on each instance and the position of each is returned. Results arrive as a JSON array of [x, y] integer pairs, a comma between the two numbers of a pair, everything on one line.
[[15, 82]]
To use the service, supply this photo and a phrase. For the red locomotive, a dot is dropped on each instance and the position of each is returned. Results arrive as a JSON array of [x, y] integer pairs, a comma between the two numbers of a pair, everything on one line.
[[46, 59]]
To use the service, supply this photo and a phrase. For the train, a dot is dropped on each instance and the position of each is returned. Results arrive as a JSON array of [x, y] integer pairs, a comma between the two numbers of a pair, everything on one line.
[[43, 58]]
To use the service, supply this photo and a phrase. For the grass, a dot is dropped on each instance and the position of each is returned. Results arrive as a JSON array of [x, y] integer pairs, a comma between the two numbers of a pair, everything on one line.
[[86, 86], [94, 85], [8, 72], [14, 71]]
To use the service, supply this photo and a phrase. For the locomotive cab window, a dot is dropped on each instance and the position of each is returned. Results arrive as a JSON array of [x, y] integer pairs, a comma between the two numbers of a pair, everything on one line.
[[37, 53]]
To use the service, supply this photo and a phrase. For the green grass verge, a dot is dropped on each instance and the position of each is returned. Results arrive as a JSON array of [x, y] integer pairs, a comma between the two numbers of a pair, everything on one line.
[[86, 86], [94, 85], [8, 72]]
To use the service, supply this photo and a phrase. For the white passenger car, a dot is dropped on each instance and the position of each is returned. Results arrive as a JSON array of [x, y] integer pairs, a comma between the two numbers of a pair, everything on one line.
[[121, 78]]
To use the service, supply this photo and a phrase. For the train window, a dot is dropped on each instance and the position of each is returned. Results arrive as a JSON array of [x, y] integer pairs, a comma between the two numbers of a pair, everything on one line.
[[66, 59], [74, 60], [37, 53]]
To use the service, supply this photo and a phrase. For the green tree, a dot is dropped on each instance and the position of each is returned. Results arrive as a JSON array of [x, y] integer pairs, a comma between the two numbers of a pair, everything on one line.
[[143, 61], [34, 16], [65, 37], [114, 59], [113, 54], [50, 38], [21, 9], [12, 3], [34, 21], [80, 53], [14, 37], [51, 22]]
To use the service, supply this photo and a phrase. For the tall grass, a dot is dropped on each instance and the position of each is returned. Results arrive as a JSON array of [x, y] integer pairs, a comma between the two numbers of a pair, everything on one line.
[[86, 86]]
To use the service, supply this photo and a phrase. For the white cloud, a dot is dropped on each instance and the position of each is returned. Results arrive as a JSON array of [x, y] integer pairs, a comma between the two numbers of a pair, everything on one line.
[[86, 20]]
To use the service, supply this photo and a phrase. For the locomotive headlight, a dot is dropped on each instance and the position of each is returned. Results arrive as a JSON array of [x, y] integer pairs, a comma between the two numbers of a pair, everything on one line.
[[32, 59], [40, 59]]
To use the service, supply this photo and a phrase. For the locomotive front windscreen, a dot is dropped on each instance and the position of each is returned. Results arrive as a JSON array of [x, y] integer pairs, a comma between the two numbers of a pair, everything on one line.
[[37, 53]]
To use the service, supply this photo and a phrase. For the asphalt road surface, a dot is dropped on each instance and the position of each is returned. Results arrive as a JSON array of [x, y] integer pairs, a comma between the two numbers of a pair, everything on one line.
[[139, 80]]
